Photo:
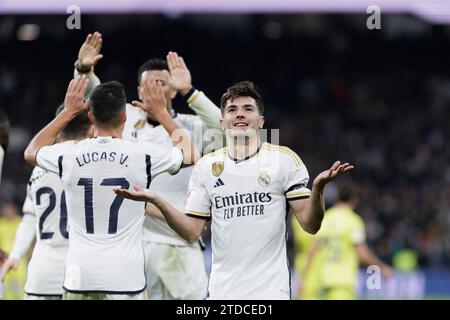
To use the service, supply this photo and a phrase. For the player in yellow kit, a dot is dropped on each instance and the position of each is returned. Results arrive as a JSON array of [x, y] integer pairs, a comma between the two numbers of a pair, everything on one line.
[[309, 275], [341, 244], [15, 281]]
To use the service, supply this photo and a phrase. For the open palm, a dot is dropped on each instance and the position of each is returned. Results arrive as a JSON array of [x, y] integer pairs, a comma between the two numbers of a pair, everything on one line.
[[89, 53], [180, 76], [336, 170]]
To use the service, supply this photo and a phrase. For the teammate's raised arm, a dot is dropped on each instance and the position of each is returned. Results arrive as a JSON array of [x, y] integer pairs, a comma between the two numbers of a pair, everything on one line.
[[74, 104], [154, 103], [180, 76], [88, 56], [188, 228], [309, 213]]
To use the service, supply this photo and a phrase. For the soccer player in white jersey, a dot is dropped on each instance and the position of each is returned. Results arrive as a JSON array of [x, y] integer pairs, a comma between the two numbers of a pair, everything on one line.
[[105, 258], [174, 267], [243, 189], [45, 219]]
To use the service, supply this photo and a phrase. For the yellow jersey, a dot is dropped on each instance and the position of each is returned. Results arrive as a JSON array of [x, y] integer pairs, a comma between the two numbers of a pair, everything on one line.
[[302, 245], [15, 280], [342, 229]]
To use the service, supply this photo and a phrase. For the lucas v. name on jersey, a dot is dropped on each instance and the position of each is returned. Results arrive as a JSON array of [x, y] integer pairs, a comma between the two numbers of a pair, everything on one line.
[[90, 157]]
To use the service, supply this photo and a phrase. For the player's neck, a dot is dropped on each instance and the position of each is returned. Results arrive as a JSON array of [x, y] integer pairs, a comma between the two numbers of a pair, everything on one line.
[[243, 148], [108, 132], [343, 205]]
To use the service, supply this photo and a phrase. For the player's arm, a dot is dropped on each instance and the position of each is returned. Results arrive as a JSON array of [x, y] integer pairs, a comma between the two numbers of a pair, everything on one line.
[[3, 256], [74, 104], [153, 211], [181, 80], [88, 57], [154, 103], [25, 235], [309, 212], [367, 257], [188, 228]]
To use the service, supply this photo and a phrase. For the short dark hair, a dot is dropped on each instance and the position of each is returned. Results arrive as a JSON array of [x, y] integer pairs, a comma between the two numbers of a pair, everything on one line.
[[152, 64], [242, 89], [346, 193], [4, 130], [77, 128], [108, 101]]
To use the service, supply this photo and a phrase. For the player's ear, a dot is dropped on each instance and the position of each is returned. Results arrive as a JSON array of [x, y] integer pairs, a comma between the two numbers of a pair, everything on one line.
[[139, 89], [91, 117], [173, 93], [123, 117], [222, 124], [261, 121], [90, 132]]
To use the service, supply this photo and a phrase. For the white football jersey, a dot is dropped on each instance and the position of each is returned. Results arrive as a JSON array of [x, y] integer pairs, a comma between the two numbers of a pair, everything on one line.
[[46, 202], [171, 187], [105, 249], [246, 202]]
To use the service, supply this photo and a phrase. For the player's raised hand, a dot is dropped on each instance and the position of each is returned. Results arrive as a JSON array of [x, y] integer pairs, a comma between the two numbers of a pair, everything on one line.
[[9, 264], [89, 53], [336, 170], [154, 101], [74, 102], [138, 194], [180, 76]]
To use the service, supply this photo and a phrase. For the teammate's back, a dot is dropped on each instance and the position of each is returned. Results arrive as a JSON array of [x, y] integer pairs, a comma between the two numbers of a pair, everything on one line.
[[105, 252]]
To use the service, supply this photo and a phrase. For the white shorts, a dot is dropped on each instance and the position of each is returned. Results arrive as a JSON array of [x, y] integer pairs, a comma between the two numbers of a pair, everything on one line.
[[175, 272]]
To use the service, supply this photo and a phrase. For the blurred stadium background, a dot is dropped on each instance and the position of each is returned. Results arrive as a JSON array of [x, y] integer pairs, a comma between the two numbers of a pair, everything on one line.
[[379, 99]]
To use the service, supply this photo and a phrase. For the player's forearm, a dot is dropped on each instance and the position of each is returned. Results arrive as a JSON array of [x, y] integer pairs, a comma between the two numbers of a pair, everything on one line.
[[47, 136], [205, 109], [311, 218], [367, 257], [180, 138], [25, 235], [94, 81], [179, 222], [153, 211]]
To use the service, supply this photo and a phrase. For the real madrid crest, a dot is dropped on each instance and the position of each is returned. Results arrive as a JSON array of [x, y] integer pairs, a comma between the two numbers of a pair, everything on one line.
[[217, 168], [264, 179]]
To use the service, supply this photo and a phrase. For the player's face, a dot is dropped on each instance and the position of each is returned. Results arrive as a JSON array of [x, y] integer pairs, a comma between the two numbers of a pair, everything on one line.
[[162, 78], [241, 117]]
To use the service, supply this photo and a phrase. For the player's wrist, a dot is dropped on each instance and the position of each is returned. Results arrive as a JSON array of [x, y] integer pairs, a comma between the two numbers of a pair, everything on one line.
[[162, 115], [187, 92], [82, 68]]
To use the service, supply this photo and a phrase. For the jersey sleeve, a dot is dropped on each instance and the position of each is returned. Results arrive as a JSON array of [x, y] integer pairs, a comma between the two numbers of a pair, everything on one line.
[[26, 231], [160, 159], [358, 232], [198, 204], [296, 177], [28, 204], [50, 158]]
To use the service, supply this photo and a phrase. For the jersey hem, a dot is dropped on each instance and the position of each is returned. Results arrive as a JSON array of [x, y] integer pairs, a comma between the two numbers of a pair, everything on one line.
[[104, 291]]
